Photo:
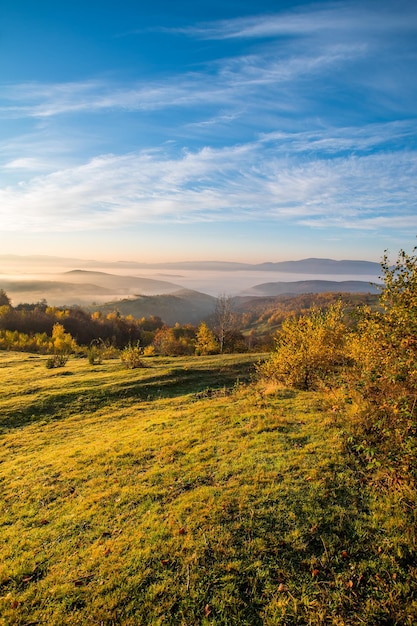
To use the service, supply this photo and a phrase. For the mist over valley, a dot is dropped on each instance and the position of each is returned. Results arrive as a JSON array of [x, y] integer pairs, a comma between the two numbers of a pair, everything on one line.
[[176, 292]]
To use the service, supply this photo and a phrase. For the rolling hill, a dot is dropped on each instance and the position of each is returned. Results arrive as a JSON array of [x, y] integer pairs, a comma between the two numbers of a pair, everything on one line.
[[84, 287], [122, 285], [183, 306], [323, 266], [185, 300], [312, 286]]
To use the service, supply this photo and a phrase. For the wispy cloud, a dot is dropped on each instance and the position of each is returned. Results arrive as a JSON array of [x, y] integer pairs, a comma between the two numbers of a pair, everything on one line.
[[27, 163], [297, 59], [259, 78], [331, 19], [240, 183], [278, 129], [351, 139]]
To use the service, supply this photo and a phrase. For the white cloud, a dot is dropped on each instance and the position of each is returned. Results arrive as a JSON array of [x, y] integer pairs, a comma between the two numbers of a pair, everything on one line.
[[405, 223], [243, 183], [257, 78], [335, 20], [307, 54], [333, 140], [30, 164], [298, 102], [277, 74]]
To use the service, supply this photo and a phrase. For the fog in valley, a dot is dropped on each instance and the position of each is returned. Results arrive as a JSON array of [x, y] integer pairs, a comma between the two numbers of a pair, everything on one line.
[[72, 281]]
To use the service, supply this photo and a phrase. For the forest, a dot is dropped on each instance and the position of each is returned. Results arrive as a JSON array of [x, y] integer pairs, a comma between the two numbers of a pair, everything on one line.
[[235, 325]]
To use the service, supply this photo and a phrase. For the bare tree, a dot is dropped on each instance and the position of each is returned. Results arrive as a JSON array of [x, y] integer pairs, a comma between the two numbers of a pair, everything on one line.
[[224, 320]]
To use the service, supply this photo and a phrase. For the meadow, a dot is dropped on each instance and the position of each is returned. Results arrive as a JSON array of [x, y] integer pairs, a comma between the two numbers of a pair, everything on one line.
[[187, 493]]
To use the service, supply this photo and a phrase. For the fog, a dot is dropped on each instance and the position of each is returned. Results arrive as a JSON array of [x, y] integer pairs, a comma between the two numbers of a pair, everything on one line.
[[238, 282]]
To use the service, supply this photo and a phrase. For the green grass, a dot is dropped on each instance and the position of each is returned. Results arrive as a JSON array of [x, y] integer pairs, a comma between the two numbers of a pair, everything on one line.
[[173, 495]]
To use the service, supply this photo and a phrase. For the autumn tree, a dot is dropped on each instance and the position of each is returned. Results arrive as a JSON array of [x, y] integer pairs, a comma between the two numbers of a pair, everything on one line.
[[205, 341], [175, 341], [385, 373], [308, 349], [63, 345]]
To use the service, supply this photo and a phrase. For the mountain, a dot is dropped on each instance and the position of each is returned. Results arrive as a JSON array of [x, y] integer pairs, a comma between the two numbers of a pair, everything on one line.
[[322, 266], [35, 278], [312, 286], [83, 287], [123, 285], [303, 266], [184, 306], [43, 261], [54, 292]]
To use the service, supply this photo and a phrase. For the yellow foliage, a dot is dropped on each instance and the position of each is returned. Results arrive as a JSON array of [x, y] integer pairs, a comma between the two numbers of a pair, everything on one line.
[[63, 343], [206, 342], [308, 349]]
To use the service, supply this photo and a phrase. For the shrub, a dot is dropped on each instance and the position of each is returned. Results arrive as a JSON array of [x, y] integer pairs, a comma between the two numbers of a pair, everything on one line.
[[95, 352], [308, 349], [131, 357], [385, 373], [149, 351], [57, 360]]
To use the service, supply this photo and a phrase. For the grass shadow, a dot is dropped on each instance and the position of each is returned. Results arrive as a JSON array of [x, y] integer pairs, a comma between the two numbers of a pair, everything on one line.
[[155, 384]]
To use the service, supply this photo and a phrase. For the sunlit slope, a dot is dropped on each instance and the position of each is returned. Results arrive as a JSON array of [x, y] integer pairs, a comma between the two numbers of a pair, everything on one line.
[[175, 494]]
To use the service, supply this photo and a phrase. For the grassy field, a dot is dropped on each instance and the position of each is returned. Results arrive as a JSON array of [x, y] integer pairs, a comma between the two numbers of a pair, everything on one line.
[[180, 494]]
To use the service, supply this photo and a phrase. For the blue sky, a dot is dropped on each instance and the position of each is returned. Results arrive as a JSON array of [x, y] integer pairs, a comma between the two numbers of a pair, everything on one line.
[[242, 130]]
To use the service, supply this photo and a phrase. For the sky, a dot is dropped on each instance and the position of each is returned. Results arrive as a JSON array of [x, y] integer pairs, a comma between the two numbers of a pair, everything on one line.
[[234, 130]]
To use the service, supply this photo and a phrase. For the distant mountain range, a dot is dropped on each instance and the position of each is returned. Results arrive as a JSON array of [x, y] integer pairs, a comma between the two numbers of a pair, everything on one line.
[[172, 301], [312, 266], [322, 266], [83, 287], [312, 286]]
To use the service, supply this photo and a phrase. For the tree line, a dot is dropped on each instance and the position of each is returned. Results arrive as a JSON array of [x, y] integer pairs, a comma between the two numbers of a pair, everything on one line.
[[30, 327], [234, 326]]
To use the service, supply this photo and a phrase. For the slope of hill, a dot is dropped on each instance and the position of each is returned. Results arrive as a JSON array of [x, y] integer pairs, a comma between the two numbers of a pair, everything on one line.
[[183, 306], [84, 287], [87, 285], [323, 266], [312, 286], [143, 497], [123, 285]]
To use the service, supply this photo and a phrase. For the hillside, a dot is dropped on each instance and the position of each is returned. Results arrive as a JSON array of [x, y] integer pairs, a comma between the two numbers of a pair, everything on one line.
[[183, 306], [122, 285], [83, 287], [323, 266], [312, 286], [175, 495], [32, 279], [57, 292]]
